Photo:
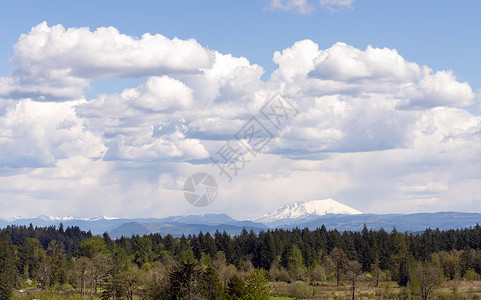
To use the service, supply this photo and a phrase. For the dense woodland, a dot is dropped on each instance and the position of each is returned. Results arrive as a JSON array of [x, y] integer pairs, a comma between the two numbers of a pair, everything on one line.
[[219, 266]]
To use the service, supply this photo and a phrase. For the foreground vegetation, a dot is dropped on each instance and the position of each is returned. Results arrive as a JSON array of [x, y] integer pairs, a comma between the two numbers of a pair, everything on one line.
[[53, 263]]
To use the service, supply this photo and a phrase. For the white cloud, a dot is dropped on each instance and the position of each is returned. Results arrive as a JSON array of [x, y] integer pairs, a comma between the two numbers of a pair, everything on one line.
[[334, 5], [35, 134], [343, 69], [159, 94], [143, 123], [303, 7], [306, 7], [297, 60], [57, 63]]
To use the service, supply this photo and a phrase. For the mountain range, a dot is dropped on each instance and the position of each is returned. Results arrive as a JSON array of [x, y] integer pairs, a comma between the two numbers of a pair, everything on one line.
[[116, 227], [311, 214]]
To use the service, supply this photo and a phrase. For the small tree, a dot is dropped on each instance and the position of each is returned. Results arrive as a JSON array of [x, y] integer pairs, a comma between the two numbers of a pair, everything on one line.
[[339, 258], [318, 273], [235, 288], [82, 267], [353, 270], [211, 286], [91, 246], [130, 281], [428, 278], [450, 263], [100, 265], [55, 262], [256, 288], [294, 262], [157, 288], [185, 280]]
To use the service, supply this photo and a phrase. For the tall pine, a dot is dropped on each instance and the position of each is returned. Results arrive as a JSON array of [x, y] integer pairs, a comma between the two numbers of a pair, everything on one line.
[[7, 267]]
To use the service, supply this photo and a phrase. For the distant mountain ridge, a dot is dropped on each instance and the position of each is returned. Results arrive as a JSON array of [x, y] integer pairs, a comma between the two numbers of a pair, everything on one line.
[[402, 222], [311, 214], [175, 225]]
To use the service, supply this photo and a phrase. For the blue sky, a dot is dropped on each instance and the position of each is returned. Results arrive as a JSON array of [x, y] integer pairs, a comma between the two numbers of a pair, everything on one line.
[[440, 34], [388, 95]]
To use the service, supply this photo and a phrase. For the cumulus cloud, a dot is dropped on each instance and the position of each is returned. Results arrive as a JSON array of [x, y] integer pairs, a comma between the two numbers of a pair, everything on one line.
[[52, 62], [35, 134], [159, 94], [142, 123], [343, 69]]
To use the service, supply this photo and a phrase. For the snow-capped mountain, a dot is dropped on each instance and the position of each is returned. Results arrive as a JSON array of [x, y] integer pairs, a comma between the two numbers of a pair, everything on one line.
[[61, 219], [175, 225], [293, 212]]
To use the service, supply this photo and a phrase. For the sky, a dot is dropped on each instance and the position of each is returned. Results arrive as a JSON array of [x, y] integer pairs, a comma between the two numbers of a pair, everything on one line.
[[108, 107]]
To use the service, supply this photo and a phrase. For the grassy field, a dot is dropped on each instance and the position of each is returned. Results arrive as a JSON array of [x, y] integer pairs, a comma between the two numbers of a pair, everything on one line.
[[326, 290], [367, 290]]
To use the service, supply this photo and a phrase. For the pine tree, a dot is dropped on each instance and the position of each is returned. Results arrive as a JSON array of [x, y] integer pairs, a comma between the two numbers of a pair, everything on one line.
[[211, 286], [185, 280], [31, 256], [294, 261], [340, 261], [256, 288], [235, 288], [265, 254], [7, 267]]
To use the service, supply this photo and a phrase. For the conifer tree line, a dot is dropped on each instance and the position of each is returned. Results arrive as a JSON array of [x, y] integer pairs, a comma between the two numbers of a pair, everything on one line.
[[220, 266]]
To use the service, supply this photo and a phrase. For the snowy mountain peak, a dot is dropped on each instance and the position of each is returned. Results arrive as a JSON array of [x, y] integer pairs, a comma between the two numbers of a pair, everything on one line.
[[301, 210]]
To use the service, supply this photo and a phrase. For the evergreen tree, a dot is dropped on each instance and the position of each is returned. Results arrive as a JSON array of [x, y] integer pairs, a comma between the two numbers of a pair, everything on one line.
[[185, 281], [31, 256], [156, 289], [55, 263], [266, 252], [294, 261], [256, 288], [235, 288], [340, 260], [7, 267], [211, 286], [142, 248]]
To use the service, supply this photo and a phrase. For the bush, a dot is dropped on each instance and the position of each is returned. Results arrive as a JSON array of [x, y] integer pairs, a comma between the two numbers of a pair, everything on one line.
[[471, 275], [302, 290], [318, 274]]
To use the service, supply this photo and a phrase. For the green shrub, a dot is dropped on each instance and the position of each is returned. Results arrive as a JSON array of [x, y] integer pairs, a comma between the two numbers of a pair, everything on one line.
[[302, 290]]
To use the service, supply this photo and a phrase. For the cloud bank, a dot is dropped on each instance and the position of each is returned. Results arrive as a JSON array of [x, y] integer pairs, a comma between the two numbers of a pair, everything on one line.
[[374, 131]]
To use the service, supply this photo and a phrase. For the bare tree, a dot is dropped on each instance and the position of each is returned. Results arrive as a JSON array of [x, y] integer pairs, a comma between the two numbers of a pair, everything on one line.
[[353, 270], [428, 278]]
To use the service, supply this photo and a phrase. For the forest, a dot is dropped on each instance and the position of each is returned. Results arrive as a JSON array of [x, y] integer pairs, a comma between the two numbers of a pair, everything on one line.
[[68, 263]]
